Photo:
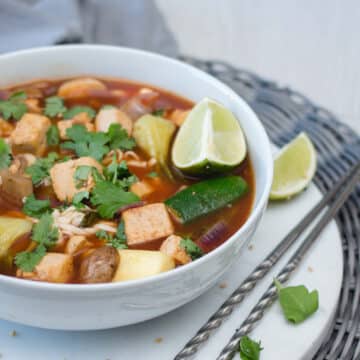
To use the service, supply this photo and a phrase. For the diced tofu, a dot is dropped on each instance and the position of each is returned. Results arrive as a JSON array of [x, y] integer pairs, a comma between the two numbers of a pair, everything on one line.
[[171, 246], [79, 87], [178, 116], [62, 177], [53, 267], [147, 223], [82, 119], [141, 189], [30, 134], [75, 244], [112, 115], [5, 128], [137, 264]]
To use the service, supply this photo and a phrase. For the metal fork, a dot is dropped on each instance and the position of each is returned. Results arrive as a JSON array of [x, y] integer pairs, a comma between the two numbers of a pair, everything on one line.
[[216, 320]]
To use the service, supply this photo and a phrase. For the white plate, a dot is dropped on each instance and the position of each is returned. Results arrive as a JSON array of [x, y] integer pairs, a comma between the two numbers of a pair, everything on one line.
[[321, 269]]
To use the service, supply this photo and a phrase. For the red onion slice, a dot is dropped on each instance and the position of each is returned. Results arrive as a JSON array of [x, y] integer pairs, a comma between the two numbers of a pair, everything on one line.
[[214, 236]]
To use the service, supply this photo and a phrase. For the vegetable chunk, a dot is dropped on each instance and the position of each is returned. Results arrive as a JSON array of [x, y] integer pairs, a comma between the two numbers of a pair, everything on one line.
[[80, 87], [53, 267], [112, 115], [137, 264], [147, 223], [171, 246], [142, 189], [30, 134], [62, 177], [75, 243]]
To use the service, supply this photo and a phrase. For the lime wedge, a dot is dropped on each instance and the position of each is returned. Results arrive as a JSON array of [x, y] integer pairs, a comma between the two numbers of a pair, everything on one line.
[[294, 167], [210, 140]]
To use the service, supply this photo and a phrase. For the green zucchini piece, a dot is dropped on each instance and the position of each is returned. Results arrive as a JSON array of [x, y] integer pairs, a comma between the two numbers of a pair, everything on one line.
[[205, 197]]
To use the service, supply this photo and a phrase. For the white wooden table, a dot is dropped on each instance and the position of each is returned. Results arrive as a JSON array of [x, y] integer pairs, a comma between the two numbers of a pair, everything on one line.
[[310, 46]]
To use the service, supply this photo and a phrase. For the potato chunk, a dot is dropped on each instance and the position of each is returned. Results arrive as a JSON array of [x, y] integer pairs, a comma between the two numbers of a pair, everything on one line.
[[53, 267], [147, 223], [62, 177], [171, 246], [82, 119], [112, 115], [137, 264], [30, 134], [79, 87]]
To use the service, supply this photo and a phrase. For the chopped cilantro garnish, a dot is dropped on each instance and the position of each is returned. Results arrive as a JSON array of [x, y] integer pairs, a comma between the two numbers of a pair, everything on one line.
[[81, 175], [45, 234], [5, 156], [108, 198], [54, 106], [118, 241], [297, 302], [86, 143], [119, 174], [119, 138], [79, 198], [40, 169], [52, 135], [97, 145], [13, 107], [191, 248], [27, 260], [249, 349], [152, 174], [75, 110], [36, 208], [159, 112]]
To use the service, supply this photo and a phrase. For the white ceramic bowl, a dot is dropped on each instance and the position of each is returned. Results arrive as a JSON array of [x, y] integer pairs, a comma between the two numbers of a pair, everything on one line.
[[100, 306]]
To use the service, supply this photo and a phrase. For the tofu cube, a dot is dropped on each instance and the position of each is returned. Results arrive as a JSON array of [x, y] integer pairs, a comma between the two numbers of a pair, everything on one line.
[[53, 267], [141, 189], [178, 116], [171, 246], [137, 264], [75, 244], [147, 223], [112, 115], [62, 177], [30, 134]]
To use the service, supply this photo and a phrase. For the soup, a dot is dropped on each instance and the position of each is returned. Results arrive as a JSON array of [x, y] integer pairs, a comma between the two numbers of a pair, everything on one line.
[[91, 188]]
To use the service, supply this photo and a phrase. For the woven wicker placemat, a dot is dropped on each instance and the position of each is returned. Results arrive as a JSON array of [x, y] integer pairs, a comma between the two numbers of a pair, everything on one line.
[[285, 113]]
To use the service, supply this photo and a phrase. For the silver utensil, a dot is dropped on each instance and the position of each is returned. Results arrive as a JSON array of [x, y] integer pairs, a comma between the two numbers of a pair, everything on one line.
[[216, 320]]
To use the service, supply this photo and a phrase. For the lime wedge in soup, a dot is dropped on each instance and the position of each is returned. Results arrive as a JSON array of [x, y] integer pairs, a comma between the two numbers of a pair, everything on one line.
[[294, 168], [210, 140]]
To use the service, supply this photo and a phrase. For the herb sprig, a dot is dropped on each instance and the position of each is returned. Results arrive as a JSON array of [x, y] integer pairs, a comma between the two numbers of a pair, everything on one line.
[[249, 349], [14, 107]]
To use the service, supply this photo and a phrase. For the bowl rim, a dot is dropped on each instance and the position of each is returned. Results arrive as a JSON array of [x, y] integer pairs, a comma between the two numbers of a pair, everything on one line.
[[255, 212]]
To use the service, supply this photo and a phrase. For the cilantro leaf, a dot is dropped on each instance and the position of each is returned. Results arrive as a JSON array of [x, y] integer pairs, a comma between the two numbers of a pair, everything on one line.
[[35, 208], [152, 174], [297, 302], [52, 135], [79, 198], [86, 143], [27, 260], [54, 106], [13, 107], [40, 170], [81, 175], [108, 198], [75, 110], [249, 349], [119, 138], [5, 156], [46, 235], [118, 241], [159, 112], [119, 174], [191, 248], [44, 232]]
